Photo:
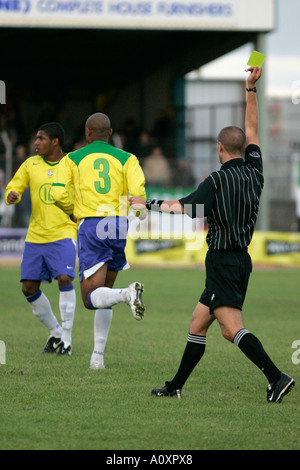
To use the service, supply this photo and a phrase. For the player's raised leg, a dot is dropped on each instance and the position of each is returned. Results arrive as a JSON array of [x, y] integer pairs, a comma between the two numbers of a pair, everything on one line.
[[95, 297]]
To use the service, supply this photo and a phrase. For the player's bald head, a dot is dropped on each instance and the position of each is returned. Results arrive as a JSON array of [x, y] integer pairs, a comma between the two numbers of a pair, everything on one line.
[[99, 125]]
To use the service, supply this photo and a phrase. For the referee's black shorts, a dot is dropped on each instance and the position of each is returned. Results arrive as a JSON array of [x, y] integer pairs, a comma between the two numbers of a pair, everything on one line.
[[227, 276]]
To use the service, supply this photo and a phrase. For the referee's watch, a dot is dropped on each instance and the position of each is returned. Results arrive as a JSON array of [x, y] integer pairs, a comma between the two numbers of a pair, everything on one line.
[[251, 89], [153, 204]]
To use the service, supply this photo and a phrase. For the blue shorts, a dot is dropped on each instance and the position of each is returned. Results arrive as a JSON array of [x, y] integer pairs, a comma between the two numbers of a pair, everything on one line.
[[102, 240], [45, 261]]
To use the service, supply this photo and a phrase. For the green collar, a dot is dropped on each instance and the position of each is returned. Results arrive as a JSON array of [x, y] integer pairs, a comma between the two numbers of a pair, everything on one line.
[[50, 163]]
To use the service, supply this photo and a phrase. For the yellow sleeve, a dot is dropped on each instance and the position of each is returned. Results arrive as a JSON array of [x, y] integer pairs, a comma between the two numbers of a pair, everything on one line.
[[18, 183], [135, 177], [62, 186]]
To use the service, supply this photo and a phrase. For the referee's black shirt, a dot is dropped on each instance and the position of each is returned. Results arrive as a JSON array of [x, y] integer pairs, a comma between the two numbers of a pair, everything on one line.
[[230, 197]]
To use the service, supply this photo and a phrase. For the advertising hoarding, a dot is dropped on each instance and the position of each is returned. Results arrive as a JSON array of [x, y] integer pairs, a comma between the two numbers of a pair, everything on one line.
[[144, 14]]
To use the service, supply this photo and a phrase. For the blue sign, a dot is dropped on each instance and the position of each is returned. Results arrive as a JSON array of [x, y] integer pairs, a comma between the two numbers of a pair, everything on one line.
[[19, 6]]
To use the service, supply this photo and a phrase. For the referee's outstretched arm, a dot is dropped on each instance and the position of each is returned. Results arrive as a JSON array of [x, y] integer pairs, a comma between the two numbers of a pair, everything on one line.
[[251, 117], [169, 207]]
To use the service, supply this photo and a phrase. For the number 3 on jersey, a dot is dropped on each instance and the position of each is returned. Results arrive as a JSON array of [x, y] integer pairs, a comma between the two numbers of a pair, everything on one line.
[[103, 186]]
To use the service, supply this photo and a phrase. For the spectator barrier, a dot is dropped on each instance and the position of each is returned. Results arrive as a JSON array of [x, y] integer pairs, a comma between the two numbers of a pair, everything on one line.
[[266, 248]]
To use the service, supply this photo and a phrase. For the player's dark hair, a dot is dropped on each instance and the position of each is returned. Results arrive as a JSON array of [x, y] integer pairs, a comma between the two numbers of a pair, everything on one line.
[[234, 139], [54, 131]]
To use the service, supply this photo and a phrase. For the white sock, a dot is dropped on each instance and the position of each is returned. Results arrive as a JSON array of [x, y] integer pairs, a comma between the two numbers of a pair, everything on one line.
[[104, 297], [102, 322], [67, 304], [42, 310]]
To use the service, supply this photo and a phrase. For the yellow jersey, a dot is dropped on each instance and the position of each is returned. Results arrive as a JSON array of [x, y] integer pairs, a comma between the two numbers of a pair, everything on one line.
[[101, 178], [47, 222]]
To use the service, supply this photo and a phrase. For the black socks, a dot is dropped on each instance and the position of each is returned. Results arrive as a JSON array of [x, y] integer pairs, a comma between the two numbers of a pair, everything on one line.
[[247, 343], [253, 349], [193, 352]]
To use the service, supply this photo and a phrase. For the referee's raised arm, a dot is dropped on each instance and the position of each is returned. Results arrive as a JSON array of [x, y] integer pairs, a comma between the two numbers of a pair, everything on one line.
[[251, 115]]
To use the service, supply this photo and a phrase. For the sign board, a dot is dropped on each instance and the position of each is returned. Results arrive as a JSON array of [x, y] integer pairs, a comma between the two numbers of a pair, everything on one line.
[[257, 15], [12, 242], [266, 248]]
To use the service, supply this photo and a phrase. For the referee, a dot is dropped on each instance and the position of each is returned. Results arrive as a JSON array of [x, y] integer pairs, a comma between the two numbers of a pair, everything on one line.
[[230, 198]]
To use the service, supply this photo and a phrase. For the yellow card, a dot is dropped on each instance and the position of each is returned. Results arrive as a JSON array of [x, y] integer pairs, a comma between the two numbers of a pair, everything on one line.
[[256, 59]]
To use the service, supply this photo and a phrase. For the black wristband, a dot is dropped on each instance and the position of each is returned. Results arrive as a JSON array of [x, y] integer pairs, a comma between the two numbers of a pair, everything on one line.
[[251, 89], [153, 204]]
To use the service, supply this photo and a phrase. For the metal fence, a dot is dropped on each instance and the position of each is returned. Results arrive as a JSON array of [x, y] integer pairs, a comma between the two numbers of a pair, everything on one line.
[[203, 123]]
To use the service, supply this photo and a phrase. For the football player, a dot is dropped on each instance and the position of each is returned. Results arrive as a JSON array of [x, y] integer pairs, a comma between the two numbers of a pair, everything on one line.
[[50, 244], [101, 177]]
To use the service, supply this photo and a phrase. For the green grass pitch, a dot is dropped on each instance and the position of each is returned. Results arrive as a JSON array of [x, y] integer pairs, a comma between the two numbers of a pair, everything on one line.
[[50, 402]]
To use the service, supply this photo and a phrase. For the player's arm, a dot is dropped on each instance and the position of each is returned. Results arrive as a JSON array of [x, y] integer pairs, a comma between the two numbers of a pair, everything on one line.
[[60, 188], [168, 207], [17, 185], [251, 114], [136, 184], [197, 204], [135, 177], [136, 187]]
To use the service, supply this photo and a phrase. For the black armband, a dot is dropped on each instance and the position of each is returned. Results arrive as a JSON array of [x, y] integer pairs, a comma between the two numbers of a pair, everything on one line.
[[154, 204], [251, 89]]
